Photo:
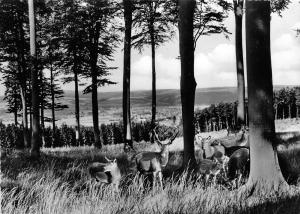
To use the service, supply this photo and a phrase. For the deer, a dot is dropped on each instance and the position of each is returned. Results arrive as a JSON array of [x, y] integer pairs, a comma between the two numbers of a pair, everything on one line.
[[238, 165], [208, 168], [209, 149], [153, 162], [107, 173]]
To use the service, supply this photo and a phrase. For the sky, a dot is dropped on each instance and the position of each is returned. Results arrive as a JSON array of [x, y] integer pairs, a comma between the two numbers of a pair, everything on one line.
[[214, 58]]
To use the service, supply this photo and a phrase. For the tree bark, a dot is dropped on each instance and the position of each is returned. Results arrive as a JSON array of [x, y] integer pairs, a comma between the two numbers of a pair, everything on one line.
[[264, 170], [151, 29], [238, 13], [94, 73], [42, 108], [187, 81], [52, 99], [98, 142], [36, 139], [77, 114], [23, 79], [126, 75], [25, 118]]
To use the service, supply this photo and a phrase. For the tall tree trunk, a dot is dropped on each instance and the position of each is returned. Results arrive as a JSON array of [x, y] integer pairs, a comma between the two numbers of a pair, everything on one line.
[[151, 29], [98, 142], [238, 13], [77, 113], [77, 110], [42, 108], [35, 140], [25, 117], [187, 82], [23, 79], [52, 100], [126, 75], [290, 111], [16, 116], [264, 168]]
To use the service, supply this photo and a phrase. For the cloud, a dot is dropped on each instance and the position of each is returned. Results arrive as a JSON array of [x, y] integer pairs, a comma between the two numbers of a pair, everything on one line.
[[215, 68], [286, 60]]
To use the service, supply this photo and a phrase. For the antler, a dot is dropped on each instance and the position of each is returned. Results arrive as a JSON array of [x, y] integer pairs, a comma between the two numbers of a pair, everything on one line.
[[107, 159], [173, 138], [156, 136]]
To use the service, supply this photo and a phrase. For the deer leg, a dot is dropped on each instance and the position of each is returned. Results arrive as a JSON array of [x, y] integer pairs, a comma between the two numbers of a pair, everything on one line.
[[160, 178], [154, 179], [239, 179], [206, 179]]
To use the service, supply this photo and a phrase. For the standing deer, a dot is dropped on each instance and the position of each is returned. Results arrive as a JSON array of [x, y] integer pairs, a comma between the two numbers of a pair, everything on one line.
[[209, 168], [153, 162], [238, 165], [108, 173], [209, 149]]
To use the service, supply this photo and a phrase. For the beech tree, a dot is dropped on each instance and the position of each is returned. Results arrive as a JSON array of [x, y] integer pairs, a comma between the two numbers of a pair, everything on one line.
[[238, 6], [153, 26], [72, 63], [14, 48], [128, 8], [35, 139], [100, 43], [264, 168], [187, 81]]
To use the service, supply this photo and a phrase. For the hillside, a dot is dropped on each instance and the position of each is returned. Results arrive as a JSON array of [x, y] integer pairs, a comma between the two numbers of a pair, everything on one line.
[[110, 103]]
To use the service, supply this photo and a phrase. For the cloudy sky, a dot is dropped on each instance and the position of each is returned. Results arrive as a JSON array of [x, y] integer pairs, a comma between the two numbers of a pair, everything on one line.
[[214, 58]]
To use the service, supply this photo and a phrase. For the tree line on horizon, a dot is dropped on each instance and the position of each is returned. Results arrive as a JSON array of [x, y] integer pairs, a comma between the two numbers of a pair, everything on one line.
[[83, 35]]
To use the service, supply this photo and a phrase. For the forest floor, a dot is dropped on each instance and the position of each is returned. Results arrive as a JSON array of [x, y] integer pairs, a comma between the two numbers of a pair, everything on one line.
[[59, 183]]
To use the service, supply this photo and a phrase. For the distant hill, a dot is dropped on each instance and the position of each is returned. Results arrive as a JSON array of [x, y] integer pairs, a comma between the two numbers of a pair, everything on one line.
[[165, 98]]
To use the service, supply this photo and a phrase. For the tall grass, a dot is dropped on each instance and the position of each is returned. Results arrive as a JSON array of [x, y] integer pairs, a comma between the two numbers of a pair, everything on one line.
[[58, 183]]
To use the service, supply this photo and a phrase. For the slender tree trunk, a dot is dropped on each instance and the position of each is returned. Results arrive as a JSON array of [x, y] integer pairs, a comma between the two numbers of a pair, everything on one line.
[[297, 112], [187, 82], [35, 140], [52, 100], [98, 142], [290, 111], [276, 112], [151, 29], [25, 118], [16, 116], [77, 113], [238, 13], [264, 170], [126, 75], [42, 108], [23, 79]]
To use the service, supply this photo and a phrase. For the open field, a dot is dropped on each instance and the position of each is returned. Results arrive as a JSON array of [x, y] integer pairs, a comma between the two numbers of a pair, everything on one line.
[[59, 183]]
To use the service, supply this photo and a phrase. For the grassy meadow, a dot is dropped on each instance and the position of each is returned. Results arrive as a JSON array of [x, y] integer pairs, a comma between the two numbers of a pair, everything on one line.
[[59, 183]]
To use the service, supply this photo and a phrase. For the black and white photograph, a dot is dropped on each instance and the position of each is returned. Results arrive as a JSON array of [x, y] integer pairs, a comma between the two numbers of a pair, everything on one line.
[[150, 106]]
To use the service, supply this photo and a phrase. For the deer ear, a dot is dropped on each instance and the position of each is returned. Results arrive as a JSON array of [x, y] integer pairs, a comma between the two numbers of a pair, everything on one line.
[[208, 138], [115, 160]]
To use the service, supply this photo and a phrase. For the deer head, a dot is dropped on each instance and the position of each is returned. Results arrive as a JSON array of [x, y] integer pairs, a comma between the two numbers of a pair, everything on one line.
[[111, 165]]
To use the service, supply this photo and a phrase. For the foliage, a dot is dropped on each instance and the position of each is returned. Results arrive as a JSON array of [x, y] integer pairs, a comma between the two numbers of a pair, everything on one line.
[[151, 21], [64, 136]]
